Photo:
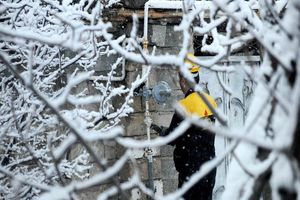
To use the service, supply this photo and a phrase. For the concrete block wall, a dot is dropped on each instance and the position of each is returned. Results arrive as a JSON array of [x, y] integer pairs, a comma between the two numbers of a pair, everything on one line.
[[164, 173]]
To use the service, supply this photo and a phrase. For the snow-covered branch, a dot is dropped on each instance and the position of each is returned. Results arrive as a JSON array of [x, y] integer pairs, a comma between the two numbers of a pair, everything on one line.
[[52, 98]]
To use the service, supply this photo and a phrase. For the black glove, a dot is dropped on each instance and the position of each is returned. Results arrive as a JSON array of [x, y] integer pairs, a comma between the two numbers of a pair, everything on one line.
[[159, 129], [156, 128]]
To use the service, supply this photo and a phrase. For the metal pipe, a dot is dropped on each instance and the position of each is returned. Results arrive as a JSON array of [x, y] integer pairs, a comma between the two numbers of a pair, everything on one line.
[[146, 8], [148, 120]]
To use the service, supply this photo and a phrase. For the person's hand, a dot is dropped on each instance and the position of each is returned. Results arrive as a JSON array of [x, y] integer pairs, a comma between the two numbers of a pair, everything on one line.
[[160, 130], [156, 128]]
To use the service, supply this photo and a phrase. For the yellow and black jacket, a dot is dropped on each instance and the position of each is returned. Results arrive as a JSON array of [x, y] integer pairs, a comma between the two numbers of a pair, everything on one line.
[[196, 145]]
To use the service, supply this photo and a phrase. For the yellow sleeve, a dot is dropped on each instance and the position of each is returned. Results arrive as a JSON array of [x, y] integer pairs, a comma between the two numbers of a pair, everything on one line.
[[194, 105]]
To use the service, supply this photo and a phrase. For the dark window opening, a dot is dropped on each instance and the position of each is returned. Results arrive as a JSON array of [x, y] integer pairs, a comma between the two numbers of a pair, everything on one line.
[[249, 49], [198, 45]]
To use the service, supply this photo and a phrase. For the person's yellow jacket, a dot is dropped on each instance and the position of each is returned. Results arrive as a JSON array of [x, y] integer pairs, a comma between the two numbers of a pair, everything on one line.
[[194, 105]]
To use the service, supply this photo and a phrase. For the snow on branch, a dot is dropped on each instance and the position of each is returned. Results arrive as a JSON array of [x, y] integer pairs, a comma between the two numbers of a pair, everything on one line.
[[51, 102]]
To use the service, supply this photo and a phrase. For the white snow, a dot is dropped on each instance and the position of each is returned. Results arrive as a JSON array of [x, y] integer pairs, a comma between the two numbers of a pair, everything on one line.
[[42, 42]]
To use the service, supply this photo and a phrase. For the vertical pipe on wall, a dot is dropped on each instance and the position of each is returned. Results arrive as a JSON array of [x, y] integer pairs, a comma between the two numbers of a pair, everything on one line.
[[148, 120]]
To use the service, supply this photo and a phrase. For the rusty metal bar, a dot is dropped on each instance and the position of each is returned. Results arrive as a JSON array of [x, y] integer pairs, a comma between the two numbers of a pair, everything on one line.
[[123, 14]]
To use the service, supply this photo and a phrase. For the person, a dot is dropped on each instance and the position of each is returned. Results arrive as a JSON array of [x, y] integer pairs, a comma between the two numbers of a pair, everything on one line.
[[196, 145]]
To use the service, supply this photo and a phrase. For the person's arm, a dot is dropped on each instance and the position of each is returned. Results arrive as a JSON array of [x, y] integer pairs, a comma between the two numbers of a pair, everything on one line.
[[159, 129], [163, 131]]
